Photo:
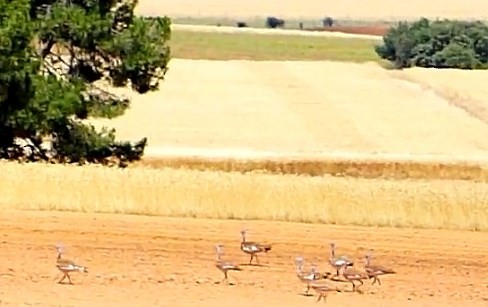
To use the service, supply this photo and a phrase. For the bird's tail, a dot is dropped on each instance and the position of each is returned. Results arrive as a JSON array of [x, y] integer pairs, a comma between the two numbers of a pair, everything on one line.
[[266, 247], [82, 269]]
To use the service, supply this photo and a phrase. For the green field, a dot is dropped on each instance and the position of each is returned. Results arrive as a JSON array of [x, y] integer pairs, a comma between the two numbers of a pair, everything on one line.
[[258, 47]]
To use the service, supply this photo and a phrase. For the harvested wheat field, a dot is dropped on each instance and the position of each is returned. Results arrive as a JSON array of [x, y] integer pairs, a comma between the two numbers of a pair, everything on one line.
[[152, 261], [464, 89], [352, 9], [299, 108]]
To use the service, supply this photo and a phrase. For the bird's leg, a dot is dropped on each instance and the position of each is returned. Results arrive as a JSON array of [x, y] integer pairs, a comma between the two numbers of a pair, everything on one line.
[[62, 278], [225, 277], [308, 288], [379, 282], [250, 261], [325, 298], [374, 280], [320, 296], [69, 279], [257, 259], [337, 272], [353, 286], [360, 284]]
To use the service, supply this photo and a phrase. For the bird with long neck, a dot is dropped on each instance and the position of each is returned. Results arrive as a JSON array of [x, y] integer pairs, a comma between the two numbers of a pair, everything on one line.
[[374, 271], [253, 248], [224, 266], [307, 277], [338, 262], [352, 275], [67, 266]]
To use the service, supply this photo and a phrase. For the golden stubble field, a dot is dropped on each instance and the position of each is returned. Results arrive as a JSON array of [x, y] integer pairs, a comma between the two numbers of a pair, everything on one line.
[[305, 108], [351, 9]]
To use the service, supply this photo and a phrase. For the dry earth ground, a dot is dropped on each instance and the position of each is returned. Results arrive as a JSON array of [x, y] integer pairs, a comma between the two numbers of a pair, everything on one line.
[[301, 108], [352, 9], [144, 261]]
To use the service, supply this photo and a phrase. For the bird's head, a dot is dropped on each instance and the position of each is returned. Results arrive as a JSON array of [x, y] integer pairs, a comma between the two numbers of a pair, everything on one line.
[[218, 248], [298, 261], [59, 248], [368, 256]]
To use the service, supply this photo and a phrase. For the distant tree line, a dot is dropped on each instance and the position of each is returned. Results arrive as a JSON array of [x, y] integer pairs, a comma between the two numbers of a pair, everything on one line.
[[436, 44]]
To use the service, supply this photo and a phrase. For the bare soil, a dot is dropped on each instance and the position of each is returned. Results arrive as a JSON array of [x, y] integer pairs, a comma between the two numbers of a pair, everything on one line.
[[152, 261]]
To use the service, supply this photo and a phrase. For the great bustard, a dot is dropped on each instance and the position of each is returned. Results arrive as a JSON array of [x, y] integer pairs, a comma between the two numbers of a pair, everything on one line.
[[67, 266], [224, 266], [307, 277], [253, 248], [352, 275], [338, 262], [374, 271], [322, 290]]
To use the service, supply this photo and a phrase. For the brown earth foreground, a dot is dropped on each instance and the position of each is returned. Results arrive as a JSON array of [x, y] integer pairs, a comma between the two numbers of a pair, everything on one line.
[[153, 261]]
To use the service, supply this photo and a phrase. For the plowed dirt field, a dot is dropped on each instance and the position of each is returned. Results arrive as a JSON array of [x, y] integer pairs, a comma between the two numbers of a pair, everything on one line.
[[152, 261]]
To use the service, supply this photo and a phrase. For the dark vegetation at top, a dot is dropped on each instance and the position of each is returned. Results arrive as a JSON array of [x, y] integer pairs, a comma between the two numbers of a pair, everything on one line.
[[437, 44], [52, 53]]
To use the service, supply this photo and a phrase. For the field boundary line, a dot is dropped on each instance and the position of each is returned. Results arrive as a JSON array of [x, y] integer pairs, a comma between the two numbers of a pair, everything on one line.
[[286, 32], [251, 154]]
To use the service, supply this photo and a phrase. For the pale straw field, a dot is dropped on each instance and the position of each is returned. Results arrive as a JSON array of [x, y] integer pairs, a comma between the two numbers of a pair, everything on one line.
[[454, 204], [301, 109]]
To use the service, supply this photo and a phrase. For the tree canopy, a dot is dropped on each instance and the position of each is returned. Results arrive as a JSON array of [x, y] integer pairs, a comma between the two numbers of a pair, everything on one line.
[[440, 44], [53, 53]]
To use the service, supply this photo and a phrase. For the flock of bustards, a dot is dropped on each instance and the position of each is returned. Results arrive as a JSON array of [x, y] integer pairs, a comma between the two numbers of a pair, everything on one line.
[[318, 281]]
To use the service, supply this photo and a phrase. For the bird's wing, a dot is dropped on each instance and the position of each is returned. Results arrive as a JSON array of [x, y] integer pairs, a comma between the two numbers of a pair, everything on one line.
[[227, 265], [378, 269], [251, 247]]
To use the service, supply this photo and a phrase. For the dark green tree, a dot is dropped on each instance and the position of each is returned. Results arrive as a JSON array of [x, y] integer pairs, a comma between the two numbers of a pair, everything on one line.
[[53, 53], [439, 43]]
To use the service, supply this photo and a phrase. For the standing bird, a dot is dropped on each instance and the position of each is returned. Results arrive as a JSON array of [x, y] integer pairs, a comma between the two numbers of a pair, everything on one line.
[[338, 262], [352, 275], [67, 266], [224, 266], [306, 277], [374, 271], [253, 248]]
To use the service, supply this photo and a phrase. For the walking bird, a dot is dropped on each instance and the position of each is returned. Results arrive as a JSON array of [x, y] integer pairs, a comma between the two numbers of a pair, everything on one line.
[[338, 262], [374, 271], [352, 275], [307, 277], [253, 248], [224, 266], [322, 290], [67, 266]]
